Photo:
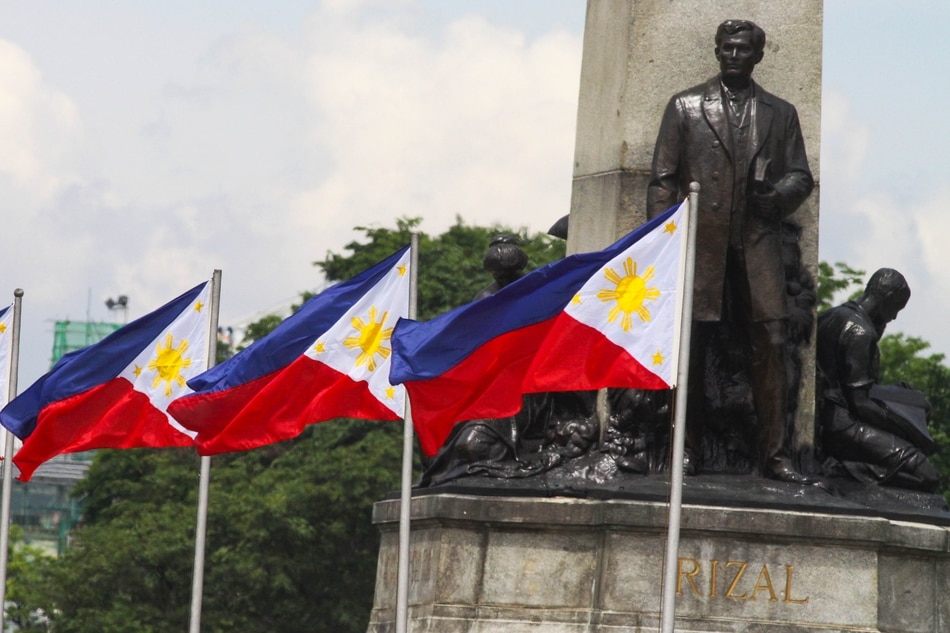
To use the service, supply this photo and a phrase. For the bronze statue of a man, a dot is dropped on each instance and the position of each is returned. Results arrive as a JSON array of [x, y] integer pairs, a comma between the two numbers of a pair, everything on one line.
[[745, 148], [878, 432]]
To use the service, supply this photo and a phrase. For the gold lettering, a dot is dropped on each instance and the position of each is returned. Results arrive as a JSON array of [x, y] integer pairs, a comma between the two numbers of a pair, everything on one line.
[[788, 587], [691, 570], [735, 581], [690, 577], [764, 575]]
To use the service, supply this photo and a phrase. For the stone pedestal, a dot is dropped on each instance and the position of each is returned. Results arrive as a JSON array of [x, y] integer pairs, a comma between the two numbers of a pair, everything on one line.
[[560, 565]]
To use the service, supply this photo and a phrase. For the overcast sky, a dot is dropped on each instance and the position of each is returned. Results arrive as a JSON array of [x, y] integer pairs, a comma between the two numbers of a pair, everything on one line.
[[143, 145]]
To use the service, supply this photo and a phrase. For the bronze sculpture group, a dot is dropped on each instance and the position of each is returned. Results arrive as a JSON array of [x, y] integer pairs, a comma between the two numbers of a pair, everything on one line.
[[753, 312]]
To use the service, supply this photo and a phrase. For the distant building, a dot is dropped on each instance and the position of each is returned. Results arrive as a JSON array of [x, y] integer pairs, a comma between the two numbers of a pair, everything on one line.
[[44, 506], [69, 336]]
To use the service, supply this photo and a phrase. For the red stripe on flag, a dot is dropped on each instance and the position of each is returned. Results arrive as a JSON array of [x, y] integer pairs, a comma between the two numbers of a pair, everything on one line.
[[560, 354], [578, 357], [497, 368], [110, 415], [275, 407]]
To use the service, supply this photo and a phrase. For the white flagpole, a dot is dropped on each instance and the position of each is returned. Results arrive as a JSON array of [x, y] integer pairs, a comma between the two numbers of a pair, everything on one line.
[[405, 496], [8, 456], [671, 564], [197, 585]]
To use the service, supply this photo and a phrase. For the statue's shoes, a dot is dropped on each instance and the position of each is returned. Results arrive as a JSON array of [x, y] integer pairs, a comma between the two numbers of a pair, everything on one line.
[[781, 469]]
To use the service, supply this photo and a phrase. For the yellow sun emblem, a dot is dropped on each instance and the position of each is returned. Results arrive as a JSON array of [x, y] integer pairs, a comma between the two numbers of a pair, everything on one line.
[[168, 363], [369, 339], [630, 293]]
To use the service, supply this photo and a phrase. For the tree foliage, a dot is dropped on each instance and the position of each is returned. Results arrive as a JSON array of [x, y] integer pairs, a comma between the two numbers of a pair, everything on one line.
[[26, 570], [834, 280], [130, 565], [450, 265], [290, 542]]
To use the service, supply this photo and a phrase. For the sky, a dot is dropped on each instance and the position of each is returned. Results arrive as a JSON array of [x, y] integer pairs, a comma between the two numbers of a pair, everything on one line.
[[146, 144]]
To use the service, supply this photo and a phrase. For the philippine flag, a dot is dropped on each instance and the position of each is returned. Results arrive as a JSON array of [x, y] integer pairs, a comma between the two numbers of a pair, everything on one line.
[[588, 321], [6, 347], [330, 359], [115, 393]]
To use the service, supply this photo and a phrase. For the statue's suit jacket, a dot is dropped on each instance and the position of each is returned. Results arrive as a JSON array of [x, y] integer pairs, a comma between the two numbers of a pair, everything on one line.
[[695, 143]]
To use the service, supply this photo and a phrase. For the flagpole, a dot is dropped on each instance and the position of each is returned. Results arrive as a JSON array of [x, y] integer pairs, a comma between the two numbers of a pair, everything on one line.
[[201, 525], [671, 564], [405, 496], [8, 455]]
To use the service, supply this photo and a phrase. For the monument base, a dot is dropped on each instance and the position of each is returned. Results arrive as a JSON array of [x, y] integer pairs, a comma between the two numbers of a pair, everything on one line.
[[487, 564]]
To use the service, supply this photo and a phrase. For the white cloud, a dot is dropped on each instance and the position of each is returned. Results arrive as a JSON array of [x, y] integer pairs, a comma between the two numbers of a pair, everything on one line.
[[844, 153], [478, 123], [39, 126], [870, 223], [261, 150]]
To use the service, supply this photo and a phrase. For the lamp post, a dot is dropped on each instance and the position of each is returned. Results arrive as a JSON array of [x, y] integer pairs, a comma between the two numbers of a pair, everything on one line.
[[120, 303]]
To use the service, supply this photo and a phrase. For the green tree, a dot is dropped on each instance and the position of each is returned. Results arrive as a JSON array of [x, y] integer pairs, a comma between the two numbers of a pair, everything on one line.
[[294, 547], [450, 265], [130, 566], [835, 279], [26, 568], [260, 328]]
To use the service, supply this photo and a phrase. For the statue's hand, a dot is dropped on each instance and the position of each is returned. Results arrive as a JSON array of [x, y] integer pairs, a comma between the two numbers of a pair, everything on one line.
[[766, 202]]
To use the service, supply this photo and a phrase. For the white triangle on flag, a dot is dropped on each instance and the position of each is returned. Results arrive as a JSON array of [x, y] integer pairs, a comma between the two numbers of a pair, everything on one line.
[[358, 344], [6, 348], [632, 299], [178, 354]]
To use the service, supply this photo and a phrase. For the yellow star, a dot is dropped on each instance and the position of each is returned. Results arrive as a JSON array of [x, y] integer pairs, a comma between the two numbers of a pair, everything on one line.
[[390, 392], [3, 328], [658, 358], [319, 348], [168, 363], [576, 299], [138, 371], [402, 269], [630, 294], [670, 227], [370, 338], [199, 306]]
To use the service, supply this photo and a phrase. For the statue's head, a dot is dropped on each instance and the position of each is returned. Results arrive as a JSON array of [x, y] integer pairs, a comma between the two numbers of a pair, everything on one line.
[[740, 45], [889, 292], [505, 259]]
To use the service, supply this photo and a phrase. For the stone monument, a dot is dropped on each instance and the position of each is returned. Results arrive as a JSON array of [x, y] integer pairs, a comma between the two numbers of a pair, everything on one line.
[[577, 544]]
